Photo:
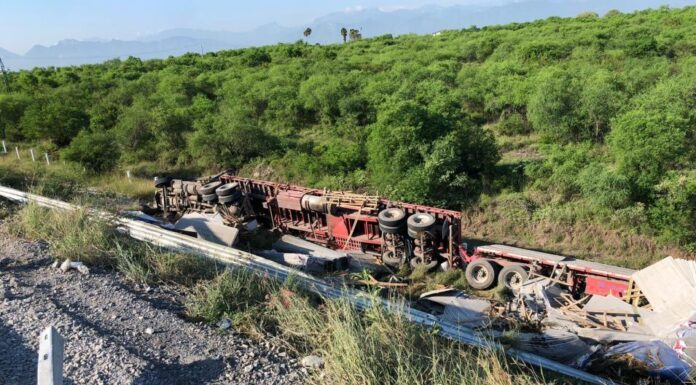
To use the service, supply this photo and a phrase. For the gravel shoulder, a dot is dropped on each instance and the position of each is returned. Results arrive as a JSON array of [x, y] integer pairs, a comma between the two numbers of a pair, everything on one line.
[[106, 321]]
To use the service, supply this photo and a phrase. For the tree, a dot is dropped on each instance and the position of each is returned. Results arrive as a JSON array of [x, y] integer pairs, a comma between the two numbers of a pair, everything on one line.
[[587, 15], [96, 151], [600, 100], [674, 213], [12, 107], [344, 34], [355, 34], [552, 108], [657, 135], [307, 32], [57, 116], [419, 155], [230, 142]]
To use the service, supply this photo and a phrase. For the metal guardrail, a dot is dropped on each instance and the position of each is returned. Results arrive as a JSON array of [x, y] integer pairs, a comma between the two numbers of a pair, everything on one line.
[[164, 238]]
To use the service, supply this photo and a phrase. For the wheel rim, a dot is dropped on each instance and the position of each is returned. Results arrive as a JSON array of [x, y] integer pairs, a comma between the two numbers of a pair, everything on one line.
[[420, 261], [514, 280], [390, 259], [480, 274]]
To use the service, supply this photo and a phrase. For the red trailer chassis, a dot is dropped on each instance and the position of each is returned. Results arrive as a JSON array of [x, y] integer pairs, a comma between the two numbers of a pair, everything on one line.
[[351, 222], [578, 275]]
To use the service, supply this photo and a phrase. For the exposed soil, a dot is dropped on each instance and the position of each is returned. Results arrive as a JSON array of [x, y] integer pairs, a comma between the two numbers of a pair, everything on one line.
[[105, 320]]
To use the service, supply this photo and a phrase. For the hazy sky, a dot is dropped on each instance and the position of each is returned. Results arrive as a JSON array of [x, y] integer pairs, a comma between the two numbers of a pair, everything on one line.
[[24, 23]]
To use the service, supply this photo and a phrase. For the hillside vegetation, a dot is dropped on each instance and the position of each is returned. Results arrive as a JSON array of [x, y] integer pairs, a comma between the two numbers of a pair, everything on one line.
[[576, 135]]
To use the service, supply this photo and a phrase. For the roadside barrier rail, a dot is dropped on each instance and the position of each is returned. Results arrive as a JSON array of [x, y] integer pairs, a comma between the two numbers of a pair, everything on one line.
[[168, 239]]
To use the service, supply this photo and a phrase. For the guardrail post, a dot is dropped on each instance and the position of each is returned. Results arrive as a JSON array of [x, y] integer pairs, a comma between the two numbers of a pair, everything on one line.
[[33, 158], [50, 368], [17, 151], [128, 175], [48, 162], [4, 148]]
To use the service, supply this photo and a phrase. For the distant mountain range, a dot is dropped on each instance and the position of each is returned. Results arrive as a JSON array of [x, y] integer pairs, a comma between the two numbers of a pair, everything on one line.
[[325, 30]]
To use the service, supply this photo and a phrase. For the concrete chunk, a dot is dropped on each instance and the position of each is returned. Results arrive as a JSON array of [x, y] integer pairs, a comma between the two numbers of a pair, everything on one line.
[[609, 305], [210, 228], [291, 244], [304, 262], [457, 307]]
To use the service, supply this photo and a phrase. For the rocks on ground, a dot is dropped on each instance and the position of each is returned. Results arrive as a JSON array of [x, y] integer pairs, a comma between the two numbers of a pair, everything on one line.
[[116, 332]]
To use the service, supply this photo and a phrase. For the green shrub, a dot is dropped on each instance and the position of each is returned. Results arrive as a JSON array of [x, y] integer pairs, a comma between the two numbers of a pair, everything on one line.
[[604, 187], [513, 124], [96, 151], [674, 213]]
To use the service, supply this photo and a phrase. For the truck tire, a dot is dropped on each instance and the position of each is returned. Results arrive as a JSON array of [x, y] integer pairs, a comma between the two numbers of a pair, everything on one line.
[[390, 258], [227, 189], [481, 274], [190, 188], [513, 276], [210, 197], [417, 262], [392, 217], [162, 181], [420, 222], [390, 229], [230, 198], [209, 188]]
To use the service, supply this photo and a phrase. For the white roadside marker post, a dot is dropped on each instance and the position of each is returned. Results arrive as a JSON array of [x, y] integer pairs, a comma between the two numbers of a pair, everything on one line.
[[48, 162], [33, 158], [4, 148], [128, 175], [50, 368], [17, 151]]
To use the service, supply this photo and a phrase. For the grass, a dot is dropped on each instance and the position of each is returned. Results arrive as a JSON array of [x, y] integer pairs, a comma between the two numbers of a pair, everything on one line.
[[374, 347], [68, 181], [73, 235], [81, 237], [379, 347], [537, 222]]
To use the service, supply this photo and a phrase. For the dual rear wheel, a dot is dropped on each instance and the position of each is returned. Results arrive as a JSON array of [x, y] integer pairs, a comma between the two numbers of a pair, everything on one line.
[[482, 274]]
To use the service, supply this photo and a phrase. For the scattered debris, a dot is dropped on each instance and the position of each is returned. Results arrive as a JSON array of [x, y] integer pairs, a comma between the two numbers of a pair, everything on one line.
[[393, 282], [65, 266], [68, 264], [208, 227], [224, 324], [457, 307], [559, 345], [149, 331], [312, 362], [335, 260], [303, 262], [658, 359]]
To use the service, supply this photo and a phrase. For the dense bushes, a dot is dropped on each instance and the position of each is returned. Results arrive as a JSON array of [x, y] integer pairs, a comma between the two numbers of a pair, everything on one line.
[[608, 100], [96, 150]]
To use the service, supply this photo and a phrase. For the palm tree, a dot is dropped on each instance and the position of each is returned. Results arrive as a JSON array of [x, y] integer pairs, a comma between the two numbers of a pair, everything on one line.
[[355, 34], [307, 32], [344, 33]]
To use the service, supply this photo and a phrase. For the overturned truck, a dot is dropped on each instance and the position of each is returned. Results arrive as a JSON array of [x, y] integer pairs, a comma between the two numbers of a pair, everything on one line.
[[394, 233]]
